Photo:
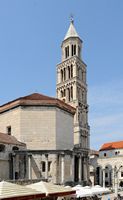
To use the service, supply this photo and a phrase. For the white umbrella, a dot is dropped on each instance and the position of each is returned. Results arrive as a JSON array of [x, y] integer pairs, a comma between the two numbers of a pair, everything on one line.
[[99, 190], [83, 191]]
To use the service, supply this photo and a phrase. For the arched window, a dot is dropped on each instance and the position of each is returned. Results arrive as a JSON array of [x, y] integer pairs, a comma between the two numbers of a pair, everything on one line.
[[82, 76], [68, 94], [2, 147], [64, 92], [15, 148], [74, 51], [61, 93], [61, 75], [72, 92], [64, 74], [71, 71], [67, 52]]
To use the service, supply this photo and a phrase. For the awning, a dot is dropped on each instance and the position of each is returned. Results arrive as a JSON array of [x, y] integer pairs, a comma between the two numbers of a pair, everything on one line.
[[51, 190], [13, 191]]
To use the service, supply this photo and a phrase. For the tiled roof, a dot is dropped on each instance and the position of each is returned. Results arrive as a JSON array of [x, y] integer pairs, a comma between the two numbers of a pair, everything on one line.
[[37, 99], [9, 139], [112, 145]]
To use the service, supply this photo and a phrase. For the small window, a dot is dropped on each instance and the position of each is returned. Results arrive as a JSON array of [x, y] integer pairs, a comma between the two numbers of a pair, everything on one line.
[[43, 166], [71, 71], [105, 154], [9, 130], [121, 174], [106, 175], [116, 153], [74, 49], [2, 147], [66, 51]]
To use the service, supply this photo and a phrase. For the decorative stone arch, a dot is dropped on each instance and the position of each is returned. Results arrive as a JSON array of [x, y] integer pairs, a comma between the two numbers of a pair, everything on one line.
[[98, 175], [108, 174], [15, 148]]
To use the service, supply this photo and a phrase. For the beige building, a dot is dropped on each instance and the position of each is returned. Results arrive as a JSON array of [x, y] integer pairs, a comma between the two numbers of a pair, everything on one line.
[[45, 124], [8, 144], [72, 88], [107, 168]]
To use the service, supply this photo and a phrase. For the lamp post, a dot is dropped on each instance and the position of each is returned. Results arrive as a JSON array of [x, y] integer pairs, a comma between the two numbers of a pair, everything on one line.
[[116, 179]]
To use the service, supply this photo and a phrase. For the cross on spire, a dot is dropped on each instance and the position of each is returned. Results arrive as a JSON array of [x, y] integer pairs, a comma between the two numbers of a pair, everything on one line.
[[72, 18]]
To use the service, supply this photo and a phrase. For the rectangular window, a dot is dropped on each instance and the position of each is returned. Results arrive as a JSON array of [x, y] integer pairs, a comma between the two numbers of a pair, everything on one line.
[[121, 174], [8, 130], [43, 166]]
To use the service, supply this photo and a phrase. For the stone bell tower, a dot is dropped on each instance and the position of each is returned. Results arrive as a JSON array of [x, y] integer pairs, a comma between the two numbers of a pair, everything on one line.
[[72, 87]]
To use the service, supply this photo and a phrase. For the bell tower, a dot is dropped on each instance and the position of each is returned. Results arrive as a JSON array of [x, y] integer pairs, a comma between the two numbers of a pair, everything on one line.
[[72, 88]]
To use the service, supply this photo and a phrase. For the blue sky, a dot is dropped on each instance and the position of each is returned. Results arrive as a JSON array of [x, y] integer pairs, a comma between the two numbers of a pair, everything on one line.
[[31, 32]]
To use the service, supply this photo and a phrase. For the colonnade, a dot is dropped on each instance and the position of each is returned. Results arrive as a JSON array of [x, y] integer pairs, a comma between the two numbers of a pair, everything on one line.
[[107, 176], [76, 173]]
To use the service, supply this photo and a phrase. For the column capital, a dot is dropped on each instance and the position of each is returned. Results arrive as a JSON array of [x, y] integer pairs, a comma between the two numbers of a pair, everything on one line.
[[62, 154]]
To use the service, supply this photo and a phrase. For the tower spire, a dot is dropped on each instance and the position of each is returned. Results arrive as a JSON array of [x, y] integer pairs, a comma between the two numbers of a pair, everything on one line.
[[71, 30]]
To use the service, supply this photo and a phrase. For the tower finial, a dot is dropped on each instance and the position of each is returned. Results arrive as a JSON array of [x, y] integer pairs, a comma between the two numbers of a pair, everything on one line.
[[71, 18]]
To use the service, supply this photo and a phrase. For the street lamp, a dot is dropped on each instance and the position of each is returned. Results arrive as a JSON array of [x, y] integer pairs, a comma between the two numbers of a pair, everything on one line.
[[116, 179]]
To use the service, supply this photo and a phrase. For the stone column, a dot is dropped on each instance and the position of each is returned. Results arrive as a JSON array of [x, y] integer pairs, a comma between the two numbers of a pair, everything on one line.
[[62, 168], [72, 168], [13, 165], [29, 167], [46, 172], [113, 178], [103, 177], [80, 168], [100, 176], [67, 73]]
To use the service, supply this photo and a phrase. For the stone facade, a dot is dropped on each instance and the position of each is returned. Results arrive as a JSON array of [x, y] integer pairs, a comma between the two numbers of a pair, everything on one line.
[[7, 146], [45, 124], [40, 127]]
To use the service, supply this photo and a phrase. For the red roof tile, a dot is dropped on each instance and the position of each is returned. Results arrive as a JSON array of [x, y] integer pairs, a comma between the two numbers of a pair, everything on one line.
[[9, 139], [37, 99], [112, 145]]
